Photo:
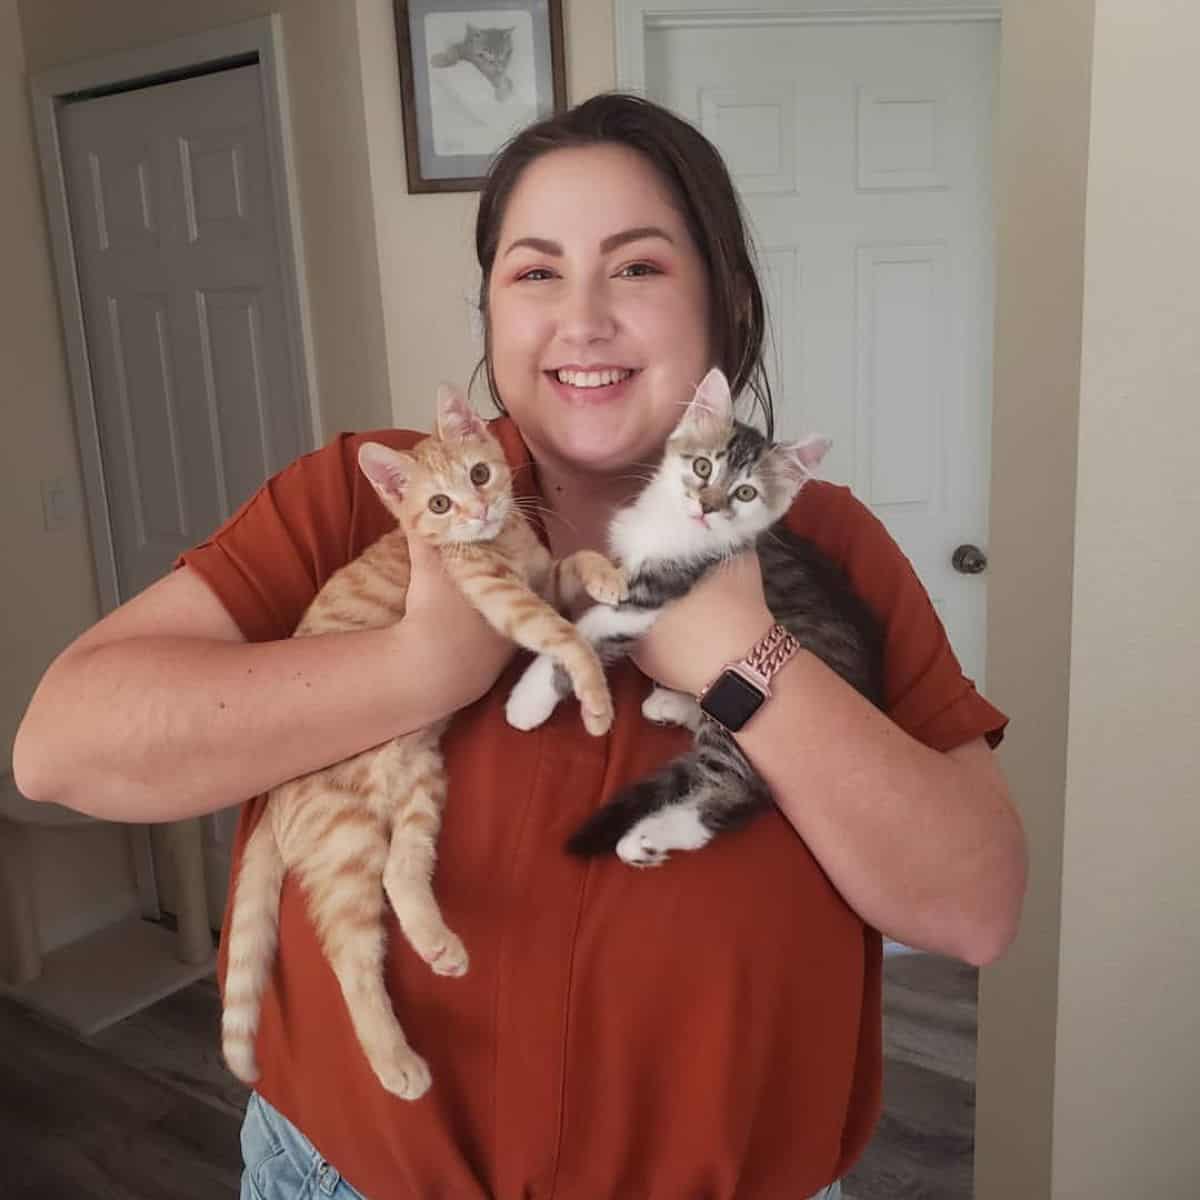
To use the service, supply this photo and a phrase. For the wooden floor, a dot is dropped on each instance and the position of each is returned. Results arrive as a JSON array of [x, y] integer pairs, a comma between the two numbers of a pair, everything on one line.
[[924, 1144], [147, 1111]]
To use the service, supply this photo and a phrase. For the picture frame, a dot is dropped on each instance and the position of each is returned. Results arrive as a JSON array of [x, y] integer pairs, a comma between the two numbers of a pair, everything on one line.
[[473, 73]]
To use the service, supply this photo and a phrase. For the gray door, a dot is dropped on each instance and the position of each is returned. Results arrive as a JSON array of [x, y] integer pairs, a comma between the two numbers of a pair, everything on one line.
[[178, 254]]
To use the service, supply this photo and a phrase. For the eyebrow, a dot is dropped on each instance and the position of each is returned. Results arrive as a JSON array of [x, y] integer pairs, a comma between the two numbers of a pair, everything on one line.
[[613, 242]]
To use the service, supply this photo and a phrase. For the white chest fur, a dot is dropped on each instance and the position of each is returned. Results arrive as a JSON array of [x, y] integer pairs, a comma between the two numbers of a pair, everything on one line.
[[657, 526]]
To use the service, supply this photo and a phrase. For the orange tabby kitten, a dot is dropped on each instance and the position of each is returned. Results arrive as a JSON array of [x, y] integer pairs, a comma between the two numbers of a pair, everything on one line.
[[375, 817]]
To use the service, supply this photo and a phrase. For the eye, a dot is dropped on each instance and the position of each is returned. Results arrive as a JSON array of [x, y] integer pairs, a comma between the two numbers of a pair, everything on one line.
[[439, 504], [535, 275], [638, 270], [480, 474], [745, 493], [702, 467]]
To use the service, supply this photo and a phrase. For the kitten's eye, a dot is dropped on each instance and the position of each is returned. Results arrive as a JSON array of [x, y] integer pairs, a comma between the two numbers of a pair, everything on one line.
[[745, 493], [480, 474], [702, 467], [439, 504]]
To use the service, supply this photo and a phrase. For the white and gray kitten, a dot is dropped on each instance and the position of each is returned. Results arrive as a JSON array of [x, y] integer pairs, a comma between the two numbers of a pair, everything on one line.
[[721, 488]]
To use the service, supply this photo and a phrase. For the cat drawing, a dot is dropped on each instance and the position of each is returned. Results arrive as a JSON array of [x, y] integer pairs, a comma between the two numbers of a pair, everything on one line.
[[489, 51]]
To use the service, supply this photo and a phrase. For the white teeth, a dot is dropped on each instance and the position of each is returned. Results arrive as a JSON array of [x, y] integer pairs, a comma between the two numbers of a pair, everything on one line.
[[591, 379]]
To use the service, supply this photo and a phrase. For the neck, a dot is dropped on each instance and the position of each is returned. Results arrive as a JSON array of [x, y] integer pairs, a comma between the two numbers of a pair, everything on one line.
[[582, 505]]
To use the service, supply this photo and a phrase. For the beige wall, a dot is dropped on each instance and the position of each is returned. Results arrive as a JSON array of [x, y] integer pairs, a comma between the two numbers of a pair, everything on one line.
[[49, 592], [1128, 1061], [1041, 176], [1088, 1034]]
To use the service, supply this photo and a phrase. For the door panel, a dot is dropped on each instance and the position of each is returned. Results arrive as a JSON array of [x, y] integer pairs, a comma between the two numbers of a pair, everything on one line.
[[179, 262], [178, 259], [861, 151]]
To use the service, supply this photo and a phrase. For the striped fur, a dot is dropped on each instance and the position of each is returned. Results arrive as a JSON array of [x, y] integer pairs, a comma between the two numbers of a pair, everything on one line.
[[362, 833]]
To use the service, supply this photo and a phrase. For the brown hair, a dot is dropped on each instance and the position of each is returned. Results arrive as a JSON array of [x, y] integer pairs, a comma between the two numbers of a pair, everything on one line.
[[698, 179]]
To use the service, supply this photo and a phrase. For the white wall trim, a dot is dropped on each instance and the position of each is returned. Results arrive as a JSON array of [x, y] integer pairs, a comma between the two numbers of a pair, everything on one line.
[[634, 18], [262, 36]]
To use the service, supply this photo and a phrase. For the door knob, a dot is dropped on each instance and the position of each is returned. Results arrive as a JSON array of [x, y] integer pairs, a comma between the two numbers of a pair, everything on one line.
[[969, 560]]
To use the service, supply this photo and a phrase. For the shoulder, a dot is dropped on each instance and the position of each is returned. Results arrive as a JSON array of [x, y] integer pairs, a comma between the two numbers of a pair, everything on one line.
[[850, 535], [842, 527]]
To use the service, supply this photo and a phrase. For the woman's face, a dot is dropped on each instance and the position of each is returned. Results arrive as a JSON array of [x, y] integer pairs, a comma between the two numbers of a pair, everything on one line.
[[598, 303]]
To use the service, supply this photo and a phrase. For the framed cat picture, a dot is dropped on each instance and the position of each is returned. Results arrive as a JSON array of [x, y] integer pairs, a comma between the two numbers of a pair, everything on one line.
[[473, 73]]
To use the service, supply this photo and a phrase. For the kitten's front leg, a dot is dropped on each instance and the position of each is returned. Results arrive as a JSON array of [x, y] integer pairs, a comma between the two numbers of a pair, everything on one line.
[[665, 707], [541, 687], [588, 573], [535, 695]]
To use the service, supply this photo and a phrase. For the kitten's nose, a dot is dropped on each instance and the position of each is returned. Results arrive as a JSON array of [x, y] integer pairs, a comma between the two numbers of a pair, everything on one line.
[[707, 506]]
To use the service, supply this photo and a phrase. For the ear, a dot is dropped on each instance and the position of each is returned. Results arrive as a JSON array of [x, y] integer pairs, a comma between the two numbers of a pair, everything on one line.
[[456, 419], [388, 470], [799, 459], [711, 408]]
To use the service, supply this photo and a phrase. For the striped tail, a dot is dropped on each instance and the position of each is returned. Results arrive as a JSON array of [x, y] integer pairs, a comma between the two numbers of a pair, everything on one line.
[[253, 935], [601, 832]]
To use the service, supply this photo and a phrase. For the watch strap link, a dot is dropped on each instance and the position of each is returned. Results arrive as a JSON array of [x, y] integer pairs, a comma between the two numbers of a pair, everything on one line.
[[770, 652]]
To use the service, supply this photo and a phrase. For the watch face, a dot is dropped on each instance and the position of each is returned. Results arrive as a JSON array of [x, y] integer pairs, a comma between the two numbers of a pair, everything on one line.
[[732, 700]]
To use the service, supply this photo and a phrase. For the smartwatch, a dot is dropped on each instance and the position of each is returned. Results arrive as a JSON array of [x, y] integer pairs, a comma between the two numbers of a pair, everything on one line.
[[743, 687]]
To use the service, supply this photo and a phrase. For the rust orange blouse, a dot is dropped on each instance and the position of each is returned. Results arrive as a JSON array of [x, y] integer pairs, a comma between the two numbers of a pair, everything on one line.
[[709, 1029]]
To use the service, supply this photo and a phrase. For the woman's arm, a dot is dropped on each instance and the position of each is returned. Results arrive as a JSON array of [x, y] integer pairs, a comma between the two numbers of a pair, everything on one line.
[[163, 711], [924, 846]]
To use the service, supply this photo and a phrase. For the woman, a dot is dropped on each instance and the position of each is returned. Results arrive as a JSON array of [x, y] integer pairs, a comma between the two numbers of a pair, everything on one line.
[[711, 1028]]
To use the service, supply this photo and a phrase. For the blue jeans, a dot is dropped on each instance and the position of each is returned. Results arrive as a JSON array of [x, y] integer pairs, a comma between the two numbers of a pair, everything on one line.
[[282, 1164]]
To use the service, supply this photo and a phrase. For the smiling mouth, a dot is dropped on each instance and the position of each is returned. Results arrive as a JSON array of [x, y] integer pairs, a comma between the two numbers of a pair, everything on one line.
[[592, 379]]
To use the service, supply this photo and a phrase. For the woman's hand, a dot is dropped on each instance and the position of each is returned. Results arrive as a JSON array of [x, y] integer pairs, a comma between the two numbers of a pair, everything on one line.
[[715, 623], [446, 639]]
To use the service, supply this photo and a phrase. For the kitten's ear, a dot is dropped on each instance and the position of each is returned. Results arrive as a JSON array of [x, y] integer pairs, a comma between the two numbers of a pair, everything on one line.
[[388, 470], [711, 408], [800, 459], [456, 419]]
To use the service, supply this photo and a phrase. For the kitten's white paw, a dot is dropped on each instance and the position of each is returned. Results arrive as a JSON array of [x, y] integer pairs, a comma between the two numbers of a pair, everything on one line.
[[534, 697], [650, 842], [665, 707]]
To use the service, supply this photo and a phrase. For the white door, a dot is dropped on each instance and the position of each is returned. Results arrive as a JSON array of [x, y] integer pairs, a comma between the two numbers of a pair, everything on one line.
[[179, 263], [862, 149]]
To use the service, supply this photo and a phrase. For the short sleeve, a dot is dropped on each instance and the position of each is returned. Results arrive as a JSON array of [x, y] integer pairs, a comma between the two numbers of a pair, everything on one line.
[[925, 690], [268, 561]]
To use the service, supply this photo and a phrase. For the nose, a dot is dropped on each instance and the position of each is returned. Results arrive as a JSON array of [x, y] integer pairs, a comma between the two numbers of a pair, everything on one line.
[[586, 315], [708, 506]]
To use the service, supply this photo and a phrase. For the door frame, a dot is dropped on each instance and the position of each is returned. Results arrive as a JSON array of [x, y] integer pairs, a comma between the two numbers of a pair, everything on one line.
[[259, 41], [635, 18]]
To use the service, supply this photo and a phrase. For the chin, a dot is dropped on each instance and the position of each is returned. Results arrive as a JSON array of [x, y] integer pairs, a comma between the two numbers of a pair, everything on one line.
[[601, 454]]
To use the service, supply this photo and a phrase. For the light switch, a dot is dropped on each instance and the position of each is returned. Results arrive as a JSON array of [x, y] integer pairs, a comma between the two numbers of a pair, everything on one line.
[[58, 504]]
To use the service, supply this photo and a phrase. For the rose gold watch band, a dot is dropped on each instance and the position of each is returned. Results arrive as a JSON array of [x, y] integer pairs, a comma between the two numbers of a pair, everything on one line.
[[770, 652]]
